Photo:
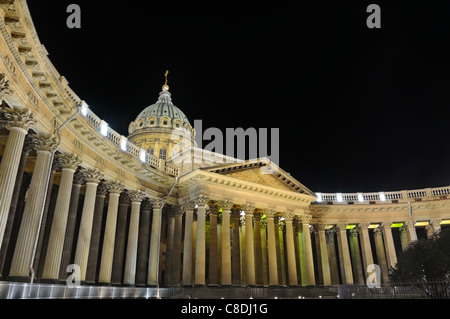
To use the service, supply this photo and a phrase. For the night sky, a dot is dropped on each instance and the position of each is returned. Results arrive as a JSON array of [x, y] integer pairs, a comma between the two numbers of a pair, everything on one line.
[[359, 109]]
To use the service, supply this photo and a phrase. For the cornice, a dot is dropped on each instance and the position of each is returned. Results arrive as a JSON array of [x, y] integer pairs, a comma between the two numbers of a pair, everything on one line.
[[201, 176]]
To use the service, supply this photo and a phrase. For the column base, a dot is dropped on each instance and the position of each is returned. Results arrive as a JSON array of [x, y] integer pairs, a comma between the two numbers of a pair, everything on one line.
[[106, 284], [18, 279], [51, 281]]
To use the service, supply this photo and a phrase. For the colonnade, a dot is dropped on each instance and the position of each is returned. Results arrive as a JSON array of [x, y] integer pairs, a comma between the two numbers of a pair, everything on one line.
[[117, 236]]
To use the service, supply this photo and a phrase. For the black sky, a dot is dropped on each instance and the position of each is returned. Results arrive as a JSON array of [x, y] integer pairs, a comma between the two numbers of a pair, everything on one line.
[[358, 109]]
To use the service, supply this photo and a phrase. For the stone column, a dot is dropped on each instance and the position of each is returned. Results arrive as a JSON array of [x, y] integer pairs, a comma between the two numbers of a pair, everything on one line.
[[326, 274], [226, 243], [94, 248], [410, 226], [155, 243], [119, 244], [363, 229], [306, 219], [200, 245], [143, 244], [272, 250], [12, 216], [93, 177], [404, 240], [258, 250], [213, 277], [109, 237], [169, 247], [249, 244], [381, 255], [69, 164], [78, 180], [344, 251], [19, 122], [176, 260], [29, 227], [188, 207], [301, 253], [280, 268], [132, 245], [389, 244], [236, 247], [292, 265], [334, 268], [355, 255]]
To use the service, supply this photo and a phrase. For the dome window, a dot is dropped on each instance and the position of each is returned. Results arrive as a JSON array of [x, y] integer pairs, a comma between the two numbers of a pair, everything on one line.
[[163, 153], [152, 122], [164, 122], [177, 125]]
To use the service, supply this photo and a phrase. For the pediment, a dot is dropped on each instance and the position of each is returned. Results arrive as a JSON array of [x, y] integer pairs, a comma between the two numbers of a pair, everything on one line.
[[257, 172]]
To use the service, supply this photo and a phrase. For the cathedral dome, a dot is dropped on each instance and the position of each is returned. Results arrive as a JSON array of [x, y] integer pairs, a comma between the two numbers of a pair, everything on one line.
[[162, 129], [162, 114]]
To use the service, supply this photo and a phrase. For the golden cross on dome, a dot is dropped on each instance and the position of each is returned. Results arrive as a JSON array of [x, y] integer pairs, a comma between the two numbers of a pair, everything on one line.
[[165, 86]]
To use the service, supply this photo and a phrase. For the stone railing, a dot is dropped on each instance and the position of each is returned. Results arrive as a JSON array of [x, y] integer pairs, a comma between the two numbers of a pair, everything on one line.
[[124, 145], [384, 197]]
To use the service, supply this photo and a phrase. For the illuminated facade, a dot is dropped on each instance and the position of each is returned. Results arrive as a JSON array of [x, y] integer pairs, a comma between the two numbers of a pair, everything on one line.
[[74, 191]]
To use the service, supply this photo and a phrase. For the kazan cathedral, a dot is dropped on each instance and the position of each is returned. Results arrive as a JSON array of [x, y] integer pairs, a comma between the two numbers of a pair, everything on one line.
[[151, 209]]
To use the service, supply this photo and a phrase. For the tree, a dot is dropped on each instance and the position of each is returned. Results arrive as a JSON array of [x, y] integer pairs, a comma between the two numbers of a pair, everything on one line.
[[424, 263]]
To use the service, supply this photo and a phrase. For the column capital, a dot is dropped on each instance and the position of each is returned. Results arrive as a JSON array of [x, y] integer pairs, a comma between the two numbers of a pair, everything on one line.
[[354, 232], [213, 209], [257, 217], [176, 210], [188, 205], [270, 213], [235, 212], [68, 161], [377, 232], [19, 117], [385, 225], [93, 175], [341, 226], [226, 204], [45, 142], [136, 196], [78, 177], [289, 216], [435, 222], [114, 187], [157, 203], [306, 218], [102, 189], [320, 227], [330, 232], [363, 226], [248, 209], [146, 205], [201, 200]]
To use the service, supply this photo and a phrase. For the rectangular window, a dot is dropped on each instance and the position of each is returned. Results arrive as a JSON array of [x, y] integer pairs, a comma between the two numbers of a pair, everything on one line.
[[150, 151], [163, 153]]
